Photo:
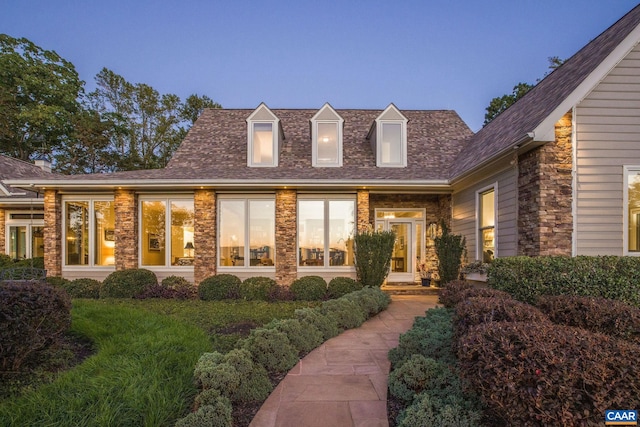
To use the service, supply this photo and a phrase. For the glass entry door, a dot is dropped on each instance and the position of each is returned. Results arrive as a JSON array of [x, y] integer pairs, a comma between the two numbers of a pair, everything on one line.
[[402, 269]]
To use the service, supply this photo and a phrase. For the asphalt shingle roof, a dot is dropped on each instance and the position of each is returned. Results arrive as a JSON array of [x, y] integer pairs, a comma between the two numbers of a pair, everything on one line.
[[11, 168]]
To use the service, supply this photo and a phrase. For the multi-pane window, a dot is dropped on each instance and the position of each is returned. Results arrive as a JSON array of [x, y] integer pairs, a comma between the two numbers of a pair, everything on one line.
[[326, 135], [390, 139], [487, 224], [166, 232], [263, 144], [89, 232], [325, 232], [247, 232], [25, 235], [391, 144]]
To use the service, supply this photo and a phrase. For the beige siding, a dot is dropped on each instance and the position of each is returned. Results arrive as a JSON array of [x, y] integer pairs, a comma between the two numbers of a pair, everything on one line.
[[607, 138], [464, 213]]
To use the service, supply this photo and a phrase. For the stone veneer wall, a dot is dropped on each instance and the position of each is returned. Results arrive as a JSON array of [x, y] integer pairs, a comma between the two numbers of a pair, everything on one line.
[[437, 207], [2, 231], [286, 237], [205, 235], [126, 229], [362, 209], [52, 233], [545, 221]]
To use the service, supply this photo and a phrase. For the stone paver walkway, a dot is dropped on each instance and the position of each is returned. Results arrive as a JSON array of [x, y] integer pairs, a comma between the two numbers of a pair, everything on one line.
[[344, 381]]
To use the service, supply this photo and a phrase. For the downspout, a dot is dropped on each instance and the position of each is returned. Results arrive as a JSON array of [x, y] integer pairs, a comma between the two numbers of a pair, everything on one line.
[[574, 182]]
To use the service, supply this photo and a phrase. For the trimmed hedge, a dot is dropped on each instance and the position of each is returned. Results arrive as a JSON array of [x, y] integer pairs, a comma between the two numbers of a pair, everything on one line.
[[613, 318], [271, 349], [340, 286], [32, 316], [347, 313], [258, 288], [82, 288], [610, 277], [545, 374], [219, 287], [303, 338], [127, 283], [309, 288]]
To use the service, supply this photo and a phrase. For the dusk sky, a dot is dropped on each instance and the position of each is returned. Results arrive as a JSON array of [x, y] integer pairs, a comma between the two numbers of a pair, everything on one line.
[[435, 54]]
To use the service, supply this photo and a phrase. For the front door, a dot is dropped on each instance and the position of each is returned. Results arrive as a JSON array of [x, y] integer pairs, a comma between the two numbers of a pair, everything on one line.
[[402, 269]]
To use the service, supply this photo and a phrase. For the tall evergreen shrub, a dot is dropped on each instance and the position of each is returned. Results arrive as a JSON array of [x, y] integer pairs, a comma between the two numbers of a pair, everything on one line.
[[449, 249], [373, 256]]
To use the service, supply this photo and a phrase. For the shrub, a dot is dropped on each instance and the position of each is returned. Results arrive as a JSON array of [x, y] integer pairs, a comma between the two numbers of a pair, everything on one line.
[[303, 338], [32, 316], [37, 262], [449, 249], [309, 288], [127, 283], [211, 397], [549, 374], [281, 293], [257, 288], [271, 349], [475, 311], [613, 318], [57, 281], [219, 287], [5, 261], [610, 277], [217, 415], [346, 313], [254, 381], [427, 410], [340, 286], [82, 288], [382, 298], [373, 251], [431, 336], [414, 376], [157, 291], [327, 325], [449, 295], [367, 302]]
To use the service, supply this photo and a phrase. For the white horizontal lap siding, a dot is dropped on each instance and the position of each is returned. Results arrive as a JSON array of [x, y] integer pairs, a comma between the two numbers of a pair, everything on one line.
[[464, 213], [607, 138]]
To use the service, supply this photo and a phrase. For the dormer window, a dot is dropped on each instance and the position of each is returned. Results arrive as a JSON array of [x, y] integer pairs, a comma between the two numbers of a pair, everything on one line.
[[263, 136], [389, 141], [326, 136]]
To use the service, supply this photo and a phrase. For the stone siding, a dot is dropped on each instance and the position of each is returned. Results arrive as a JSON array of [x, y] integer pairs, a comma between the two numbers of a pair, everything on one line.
[[126, 229], [286, 237], [205, 235], [545, 221], [2, 231], [363, 219], [53, 223]]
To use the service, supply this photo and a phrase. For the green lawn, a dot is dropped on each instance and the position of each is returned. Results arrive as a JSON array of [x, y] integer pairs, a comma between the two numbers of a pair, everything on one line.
[[142, 372]]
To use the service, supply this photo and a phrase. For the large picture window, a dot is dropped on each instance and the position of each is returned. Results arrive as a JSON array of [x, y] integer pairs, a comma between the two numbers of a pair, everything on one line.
[[166, 232], [487, 224], [89, 232], [325, 232], [632, 210], [25, 235], [247, 232]]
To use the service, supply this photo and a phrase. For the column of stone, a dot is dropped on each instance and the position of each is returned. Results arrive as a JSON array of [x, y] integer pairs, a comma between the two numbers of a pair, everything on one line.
[[362, 210], [286, 237], [205, 236], [52, 233], [126, 229], [2, 228]]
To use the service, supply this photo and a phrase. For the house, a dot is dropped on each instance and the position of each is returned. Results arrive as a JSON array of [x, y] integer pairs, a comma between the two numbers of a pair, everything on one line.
[[21, 210], [281, 192]]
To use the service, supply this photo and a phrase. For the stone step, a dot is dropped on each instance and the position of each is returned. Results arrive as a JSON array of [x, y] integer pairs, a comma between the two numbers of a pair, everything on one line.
[[408, 289]]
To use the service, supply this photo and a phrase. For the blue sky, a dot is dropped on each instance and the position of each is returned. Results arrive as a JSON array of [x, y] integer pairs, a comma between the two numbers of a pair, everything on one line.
[[430, 54]]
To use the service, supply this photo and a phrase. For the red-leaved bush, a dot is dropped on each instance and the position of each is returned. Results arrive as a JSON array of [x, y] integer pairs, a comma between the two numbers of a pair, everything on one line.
[[610, 317], [539, 374], [449, 296], [32, 316]]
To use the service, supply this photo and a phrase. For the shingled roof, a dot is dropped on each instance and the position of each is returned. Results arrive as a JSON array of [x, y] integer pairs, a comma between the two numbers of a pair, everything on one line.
[[216, 147], [519, 120], [11, 168]]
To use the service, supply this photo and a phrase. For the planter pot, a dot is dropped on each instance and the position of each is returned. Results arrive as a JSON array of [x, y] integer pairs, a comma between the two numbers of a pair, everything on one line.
[[476, 277], [425, 281]]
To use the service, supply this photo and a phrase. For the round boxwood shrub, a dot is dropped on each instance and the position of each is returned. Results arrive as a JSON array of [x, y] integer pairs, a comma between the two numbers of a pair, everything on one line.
[[219, 287], [339, 286], [427, 410], [303, 338], [216, 415], [257, 288], [271, 349], [181, 287], [367, 302], [327, 325], [414, 376], [83, 288], [309, 288], [127, 283], [57, 281], [347, 313]]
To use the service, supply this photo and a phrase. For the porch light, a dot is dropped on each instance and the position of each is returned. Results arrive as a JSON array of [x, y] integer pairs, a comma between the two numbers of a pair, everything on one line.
[[432, 230], [189, 248]]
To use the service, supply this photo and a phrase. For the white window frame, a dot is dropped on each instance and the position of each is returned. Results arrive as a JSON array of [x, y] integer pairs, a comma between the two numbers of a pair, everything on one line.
[[327, 225], [167, 198], [90, 199], [246, 198], [380, 122], [479, 193], [339, 123], [275, 133], [625, 210], [29, 223]]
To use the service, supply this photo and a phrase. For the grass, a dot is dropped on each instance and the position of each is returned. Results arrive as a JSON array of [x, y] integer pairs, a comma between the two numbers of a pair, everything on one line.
[[142, 372]]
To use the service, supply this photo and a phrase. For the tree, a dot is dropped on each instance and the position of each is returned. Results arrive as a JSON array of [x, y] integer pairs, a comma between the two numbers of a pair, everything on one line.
[[194, 105], [499, 104], [39, 94], [449, 248], [373, 251]]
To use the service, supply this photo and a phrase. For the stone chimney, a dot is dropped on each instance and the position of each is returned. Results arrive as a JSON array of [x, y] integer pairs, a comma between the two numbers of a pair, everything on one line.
[[43, 163]]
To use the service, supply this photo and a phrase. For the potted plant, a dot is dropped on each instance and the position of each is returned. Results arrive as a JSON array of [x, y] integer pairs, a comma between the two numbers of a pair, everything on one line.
[[476, 271], [425, 274]]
